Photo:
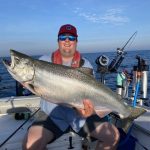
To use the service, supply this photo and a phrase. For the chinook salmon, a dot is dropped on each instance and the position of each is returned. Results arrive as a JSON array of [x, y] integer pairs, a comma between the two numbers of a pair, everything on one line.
[[64, 85]]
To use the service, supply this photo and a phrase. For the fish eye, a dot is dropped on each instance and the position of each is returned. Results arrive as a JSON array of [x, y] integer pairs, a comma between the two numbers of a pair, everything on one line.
[[17, 60]]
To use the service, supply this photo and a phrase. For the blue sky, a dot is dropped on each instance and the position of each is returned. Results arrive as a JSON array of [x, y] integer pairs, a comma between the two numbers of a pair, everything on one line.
[[31, 26]]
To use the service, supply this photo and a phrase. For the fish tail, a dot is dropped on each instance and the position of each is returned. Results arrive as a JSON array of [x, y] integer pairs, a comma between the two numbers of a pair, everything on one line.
[[126, 123], [135, 112]]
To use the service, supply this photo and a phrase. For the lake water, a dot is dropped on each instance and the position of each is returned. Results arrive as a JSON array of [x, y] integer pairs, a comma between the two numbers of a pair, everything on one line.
[[8, 84]]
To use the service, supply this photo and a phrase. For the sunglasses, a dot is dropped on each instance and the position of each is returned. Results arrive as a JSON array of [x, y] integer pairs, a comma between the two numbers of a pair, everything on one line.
[[64, 37]]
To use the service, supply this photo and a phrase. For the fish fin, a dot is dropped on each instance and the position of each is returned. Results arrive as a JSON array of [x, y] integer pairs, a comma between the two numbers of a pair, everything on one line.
[[30, 87], [126, 123], [85, 70], [135, 112]]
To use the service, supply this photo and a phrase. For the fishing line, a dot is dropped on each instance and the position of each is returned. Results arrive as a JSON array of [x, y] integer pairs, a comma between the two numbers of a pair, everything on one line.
[[19, 128]]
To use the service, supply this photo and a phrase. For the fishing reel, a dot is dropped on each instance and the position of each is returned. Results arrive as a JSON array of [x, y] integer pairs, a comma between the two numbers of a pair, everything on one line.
[[102, 63], [102, 66], [116, 62]]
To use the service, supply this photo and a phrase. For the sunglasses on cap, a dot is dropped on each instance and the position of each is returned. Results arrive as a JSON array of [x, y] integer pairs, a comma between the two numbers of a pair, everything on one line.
[[64, 37]]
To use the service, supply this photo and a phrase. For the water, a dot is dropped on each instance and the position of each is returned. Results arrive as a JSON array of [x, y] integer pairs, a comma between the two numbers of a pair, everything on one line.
[[8, 84]]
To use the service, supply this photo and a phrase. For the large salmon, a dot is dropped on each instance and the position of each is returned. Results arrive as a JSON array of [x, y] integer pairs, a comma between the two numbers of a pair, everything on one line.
[[65, 85]]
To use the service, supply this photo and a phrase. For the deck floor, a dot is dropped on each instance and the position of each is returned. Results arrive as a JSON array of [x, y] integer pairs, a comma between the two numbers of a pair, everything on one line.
[[8, 125]]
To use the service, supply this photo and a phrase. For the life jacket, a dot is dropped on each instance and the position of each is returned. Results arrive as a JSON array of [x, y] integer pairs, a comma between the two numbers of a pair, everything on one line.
[[77, 60]]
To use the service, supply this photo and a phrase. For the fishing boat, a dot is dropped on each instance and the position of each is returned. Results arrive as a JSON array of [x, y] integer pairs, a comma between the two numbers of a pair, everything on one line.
[[17, 113]]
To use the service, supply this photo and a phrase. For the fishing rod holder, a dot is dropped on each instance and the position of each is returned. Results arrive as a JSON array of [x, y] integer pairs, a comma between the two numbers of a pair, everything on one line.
[[140, 76]]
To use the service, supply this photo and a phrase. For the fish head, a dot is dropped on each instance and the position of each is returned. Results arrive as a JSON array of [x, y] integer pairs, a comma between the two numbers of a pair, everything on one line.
[[21, 66]]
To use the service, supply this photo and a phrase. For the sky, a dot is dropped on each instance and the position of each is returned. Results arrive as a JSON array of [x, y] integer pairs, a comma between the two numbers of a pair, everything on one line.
[[31, 26]]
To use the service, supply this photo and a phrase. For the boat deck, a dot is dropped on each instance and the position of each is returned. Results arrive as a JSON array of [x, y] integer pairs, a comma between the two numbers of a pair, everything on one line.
[[141, 130], [8, 124]]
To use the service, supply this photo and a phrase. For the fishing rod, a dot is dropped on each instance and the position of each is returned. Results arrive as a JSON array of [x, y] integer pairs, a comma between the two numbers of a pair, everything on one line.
[[19, 127], [102, 61], [114, 65], [134, 34]]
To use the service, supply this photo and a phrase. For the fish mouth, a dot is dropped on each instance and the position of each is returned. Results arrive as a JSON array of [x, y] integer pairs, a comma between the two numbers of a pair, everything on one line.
[[10, 64], [19, 66], [7, 63]]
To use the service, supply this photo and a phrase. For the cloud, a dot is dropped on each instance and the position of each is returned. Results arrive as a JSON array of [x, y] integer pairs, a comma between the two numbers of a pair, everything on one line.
[[111, 16], [114, 16]]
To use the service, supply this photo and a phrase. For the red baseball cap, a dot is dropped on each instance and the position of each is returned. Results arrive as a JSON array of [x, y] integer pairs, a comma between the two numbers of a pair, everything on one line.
[[68, 28]]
